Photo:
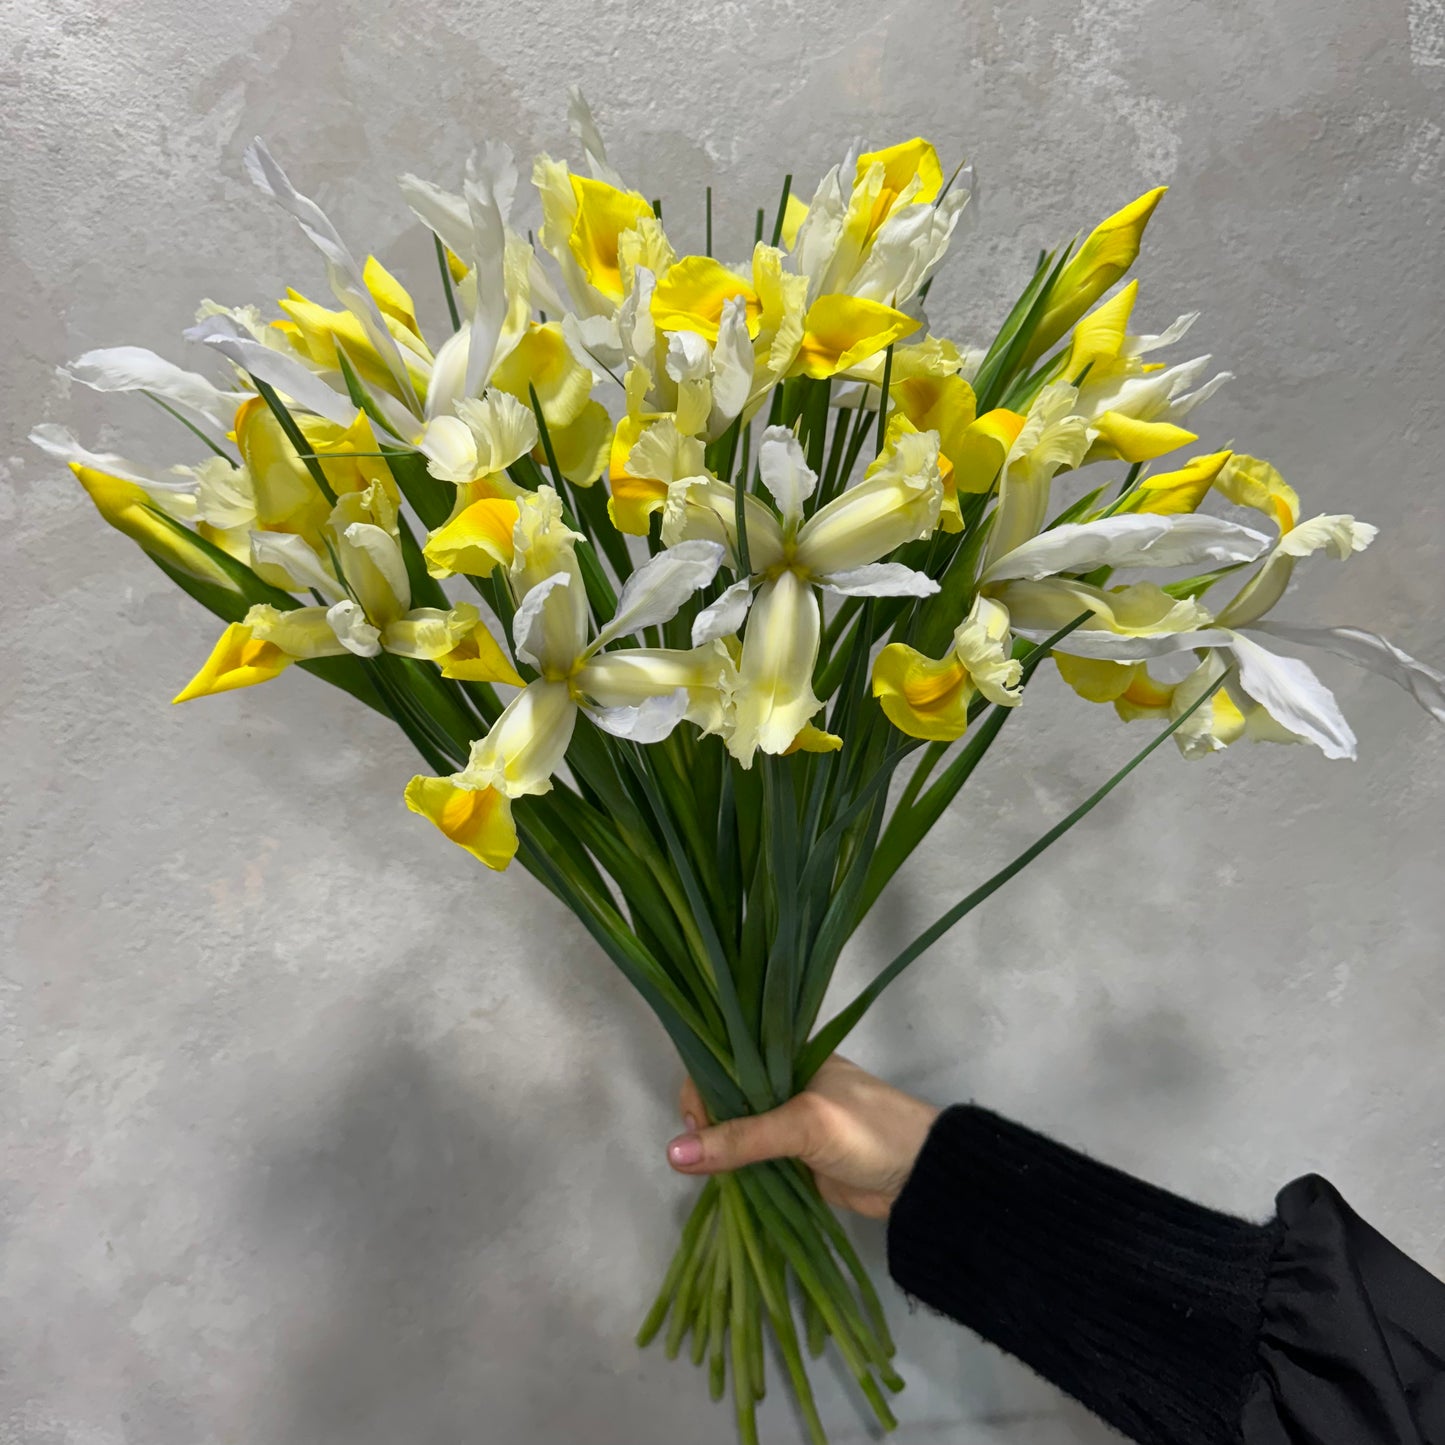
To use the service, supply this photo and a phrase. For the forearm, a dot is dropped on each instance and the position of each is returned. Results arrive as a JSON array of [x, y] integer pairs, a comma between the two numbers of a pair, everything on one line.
[[1142, 1305]]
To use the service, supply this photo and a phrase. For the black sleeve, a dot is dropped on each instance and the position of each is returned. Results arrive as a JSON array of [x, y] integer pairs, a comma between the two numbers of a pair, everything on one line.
[[1177, 1324]]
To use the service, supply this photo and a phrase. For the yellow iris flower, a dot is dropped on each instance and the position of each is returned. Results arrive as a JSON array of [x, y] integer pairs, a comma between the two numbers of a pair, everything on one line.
[[1108, 251], [1134, 407], [636, 693], [790, 556], [971, 449], [929, 698], [367, 608], [878, 234]]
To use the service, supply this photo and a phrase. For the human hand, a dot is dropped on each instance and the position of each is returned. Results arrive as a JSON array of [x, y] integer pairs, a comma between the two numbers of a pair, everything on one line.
[[857, 1134]]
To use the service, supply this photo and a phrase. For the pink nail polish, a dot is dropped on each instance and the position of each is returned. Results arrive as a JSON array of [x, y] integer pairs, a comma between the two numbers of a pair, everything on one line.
[[685, 1150], [691, 1122]]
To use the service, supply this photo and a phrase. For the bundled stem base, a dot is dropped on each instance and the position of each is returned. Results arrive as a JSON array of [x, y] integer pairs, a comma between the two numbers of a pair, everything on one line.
[[760, 1252]]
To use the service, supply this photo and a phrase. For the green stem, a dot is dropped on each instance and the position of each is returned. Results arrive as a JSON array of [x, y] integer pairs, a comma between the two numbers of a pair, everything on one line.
[[447, 285], [839, 1027], [190, 426]]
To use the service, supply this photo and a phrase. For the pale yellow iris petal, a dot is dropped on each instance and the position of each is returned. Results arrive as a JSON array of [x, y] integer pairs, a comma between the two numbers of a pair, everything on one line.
[[477, 819], [1338, 536], [526, 744], [543, 545], [581, 447], [603, 214], [374, 569], [431, 633], [692, 293], [705, 509], [631, 676], [983, 645], [1052, 437], [475, 541], [840, 331], [775, 695], [1140, 610], [543, 360], [1218, 722], [1250, 482], [287, 497], [897, 501], [301, 632]]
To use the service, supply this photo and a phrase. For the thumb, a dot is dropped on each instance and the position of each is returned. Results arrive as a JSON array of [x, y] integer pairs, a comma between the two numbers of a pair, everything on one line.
[[779, 1134]]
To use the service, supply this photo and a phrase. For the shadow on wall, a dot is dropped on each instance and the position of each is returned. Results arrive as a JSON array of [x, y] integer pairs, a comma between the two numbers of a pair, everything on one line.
[[383, 1232]]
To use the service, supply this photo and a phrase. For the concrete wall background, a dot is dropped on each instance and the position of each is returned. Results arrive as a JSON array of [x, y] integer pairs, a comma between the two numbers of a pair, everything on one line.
[[313, 1133]]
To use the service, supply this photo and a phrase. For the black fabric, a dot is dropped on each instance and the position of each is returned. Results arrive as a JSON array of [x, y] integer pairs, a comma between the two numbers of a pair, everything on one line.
[[1352, 1334], [1177, 1324]]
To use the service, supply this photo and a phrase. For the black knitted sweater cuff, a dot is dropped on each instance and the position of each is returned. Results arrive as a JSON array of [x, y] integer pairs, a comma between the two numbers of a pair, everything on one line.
[[1142, 1305]]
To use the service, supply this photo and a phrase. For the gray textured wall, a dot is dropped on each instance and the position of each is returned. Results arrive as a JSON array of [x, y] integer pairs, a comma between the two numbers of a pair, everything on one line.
[[315, 1133]]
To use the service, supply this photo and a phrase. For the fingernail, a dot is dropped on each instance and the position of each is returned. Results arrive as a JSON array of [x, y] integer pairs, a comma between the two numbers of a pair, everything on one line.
[[686, 1149], [691, 1123]]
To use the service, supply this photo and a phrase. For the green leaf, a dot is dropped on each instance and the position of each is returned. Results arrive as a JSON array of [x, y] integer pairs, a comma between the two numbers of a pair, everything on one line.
[[780, 981], [747, 1059], [782, 209], [361, 398], [1012, 342], [432, 500], [447, 285], [191, 427], [883, 396], [826, 1041], [294, 435], [1192, 587]]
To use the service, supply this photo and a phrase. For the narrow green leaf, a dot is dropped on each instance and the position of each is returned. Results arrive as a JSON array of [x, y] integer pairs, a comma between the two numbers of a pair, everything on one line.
[[748, 1061], [782, 208], [295, 437], [1192, 587], [837, 1029], [711, 1072], [432, 500], [361, 398], [191, 427], [446, 271], [783, 967], [883, 397]]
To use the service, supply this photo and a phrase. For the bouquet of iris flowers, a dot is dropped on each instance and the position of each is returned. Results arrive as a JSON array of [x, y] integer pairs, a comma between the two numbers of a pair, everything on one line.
[[702, 586]]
